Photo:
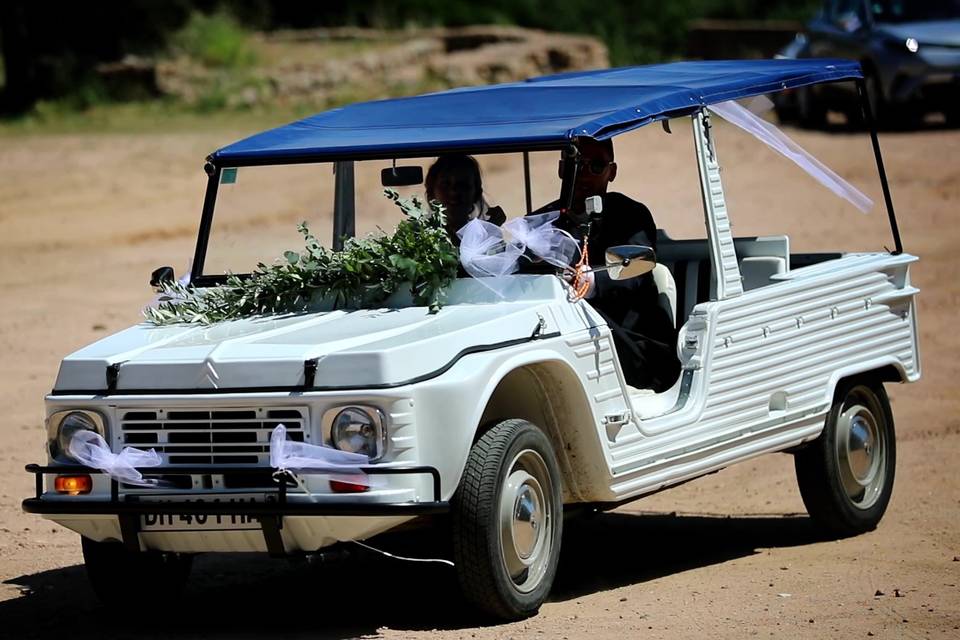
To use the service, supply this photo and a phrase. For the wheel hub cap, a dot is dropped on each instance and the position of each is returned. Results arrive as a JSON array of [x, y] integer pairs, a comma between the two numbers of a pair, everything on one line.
[[526, 536], [861, 454], [526, 520]]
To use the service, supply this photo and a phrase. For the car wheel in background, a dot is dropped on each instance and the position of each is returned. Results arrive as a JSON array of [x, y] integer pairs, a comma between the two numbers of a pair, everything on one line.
[[507, 521], [123, 578], [878, 103], [811, 110], [846, 475]]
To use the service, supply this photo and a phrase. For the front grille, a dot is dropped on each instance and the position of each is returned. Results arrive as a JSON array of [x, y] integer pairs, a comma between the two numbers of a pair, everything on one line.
[[210, 436]]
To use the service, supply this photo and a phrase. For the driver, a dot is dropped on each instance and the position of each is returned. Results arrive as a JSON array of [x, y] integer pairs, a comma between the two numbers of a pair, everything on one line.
[[643, 331]]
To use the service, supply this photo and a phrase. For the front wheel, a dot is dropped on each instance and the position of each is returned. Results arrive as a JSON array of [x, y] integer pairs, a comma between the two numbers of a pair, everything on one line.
[[507, 521], [122, 578], [846, 475]]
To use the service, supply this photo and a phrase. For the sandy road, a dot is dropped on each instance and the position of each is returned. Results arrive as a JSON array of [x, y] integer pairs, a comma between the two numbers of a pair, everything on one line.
[[84, 219]]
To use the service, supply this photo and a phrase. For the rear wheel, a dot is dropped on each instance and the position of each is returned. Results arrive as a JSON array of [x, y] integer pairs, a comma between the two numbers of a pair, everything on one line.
[[121, 578], [846, 475], [507, 521]]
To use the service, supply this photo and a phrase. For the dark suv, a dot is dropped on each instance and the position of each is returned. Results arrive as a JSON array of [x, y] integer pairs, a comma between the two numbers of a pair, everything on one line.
[[909, 50]]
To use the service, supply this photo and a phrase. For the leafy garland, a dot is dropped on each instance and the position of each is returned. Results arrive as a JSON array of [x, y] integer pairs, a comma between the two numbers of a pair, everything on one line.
[[365, 273]]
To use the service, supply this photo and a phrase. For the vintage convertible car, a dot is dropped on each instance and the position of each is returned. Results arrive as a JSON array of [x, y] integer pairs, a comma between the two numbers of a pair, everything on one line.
[[503, 409]]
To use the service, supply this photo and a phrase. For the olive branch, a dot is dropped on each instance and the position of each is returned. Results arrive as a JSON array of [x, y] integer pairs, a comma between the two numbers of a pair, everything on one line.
[[362, 275]]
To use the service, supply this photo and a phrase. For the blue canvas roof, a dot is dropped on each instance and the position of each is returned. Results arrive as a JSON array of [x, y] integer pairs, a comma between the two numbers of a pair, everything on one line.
[[538, 113]]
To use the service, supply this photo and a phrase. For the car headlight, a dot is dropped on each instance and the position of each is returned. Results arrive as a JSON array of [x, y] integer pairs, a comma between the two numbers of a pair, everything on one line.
[[359, 430], [62, 425], [912, 45]]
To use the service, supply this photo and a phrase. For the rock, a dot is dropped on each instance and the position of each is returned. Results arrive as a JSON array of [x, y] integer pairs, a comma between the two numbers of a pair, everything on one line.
[[878, 593], [387, 63]]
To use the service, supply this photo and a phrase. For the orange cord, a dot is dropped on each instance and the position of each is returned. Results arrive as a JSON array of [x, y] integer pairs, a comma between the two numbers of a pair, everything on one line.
[[580, 284]]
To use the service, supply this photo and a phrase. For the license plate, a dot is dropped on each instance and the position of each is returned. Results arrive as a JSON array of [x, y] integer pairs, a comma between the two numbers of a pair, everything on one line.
[[208, 522]]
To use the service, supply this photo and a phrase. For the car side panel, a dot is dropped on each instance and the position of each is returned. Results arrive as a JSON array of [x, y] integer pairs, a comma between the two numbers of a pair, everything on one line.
[[775, 355]]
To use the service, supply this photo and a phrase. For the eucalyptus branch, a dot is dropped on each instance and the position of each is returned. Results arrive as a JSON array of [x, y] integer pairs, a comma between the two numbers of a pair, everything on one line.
[[364, 274]]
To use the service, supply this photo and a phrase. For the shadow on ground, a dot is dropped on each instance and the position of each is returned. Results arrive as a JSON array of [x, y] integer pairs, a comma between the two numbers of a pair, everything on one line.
[[251, 595]]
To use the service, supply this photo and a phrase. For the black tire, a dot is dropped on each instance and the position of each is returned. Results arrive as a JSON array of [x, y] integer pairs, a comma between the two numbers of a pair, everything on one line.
[[952, 114], [504, 459], [882, 113], [122, 578], [846, 475]]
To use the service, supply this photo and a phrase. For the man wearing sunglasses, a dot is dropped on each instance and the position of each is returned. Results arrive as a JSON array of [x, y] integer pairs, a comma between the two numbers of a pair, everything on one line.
[[643, 331]]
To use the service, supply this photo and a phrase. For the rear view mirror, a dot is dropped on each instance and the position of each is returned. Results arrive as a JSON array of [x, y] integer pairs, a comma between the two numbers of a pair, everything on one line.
[[401, 176], [629, 261]]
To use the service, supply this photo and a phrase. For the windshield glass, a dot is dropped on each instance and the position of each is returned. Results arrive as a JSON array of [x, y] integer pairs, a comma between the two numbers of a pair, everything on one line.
[[258, 208], [914, 10]]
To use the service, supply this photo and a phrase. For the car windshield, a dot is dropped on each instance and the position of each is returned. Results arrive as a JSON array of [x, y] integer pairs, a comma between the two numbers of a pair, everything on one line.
[[258, 208], [915, 10]]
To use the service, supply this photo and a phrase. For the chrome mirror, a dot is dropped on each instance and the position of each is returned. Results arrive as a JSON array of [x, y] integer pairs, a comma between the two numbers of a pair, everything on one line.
[[629, 261]]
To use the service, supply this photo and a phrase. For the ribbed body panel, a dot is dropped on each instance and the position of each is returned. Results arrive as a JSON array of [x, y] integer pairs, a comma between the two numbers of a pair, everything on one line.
[[773, 357]]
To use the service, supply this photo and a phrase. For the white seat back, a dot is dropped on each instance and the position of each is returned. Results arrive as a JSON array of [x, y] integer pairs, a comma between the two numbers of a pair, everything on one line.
[[667, 289]]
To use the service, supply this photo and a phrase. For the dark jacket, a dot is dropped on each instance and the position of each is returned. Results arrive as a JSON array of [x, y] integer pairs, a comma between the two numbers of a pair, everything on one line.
[[643, 331]]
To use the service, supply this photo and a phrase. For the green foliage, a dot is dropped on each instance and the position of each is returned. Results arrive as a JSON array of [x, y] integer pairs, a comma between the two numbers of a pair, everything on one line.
[[635, 31], [363, 274], [215, 40]]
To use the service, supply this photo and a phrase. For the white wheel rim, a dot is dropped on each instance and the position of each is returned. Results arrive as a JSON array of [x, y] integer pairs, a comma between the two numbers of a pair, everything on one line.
[[861, 456], [526, 520]]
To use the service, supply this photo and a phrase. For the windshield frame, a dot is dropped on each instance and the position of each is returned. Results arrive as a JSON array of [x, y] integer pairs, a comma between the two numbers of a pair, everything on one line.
[[343, 221]]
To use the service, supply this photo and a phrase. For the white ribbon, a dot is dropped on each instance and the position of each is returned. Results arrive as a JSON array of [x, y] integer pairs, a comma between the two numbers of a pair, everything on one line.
[[762, 130], [89, 448], [538, 235], [290, 455], [487, 256]]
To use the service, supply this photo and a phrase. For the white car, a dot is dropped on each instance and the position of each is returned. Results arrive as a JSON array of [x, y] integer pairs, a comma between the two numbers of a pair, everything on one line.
[[504, 408]]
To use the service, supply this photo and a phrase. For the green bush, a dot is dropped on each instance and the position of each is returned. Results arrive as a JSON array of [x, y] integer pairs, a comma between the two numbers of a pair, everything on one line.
[[215, 40]]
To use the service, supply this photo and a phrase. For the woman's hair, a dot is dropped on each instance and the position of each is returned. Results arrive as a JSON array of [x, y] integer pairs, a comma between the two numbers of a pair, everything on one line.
[[449, 164]]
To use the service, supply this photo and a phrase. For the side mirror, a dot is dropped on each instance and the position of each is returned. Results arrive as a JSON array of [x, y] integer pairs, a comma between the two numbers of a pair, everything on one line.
[[160, 276], [401, 176], [629, 261]]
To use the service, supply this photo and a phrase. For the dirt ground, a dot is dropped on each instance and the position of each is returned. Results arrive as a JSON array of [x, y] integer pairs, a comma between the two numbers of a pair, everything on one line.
[[85, 218]]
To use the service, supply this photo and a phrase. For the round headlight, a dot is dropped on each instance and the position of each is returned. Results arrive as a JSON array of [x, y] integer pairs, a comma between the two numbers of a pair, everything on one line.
[[358, 430], [912, 45], [69, 425]]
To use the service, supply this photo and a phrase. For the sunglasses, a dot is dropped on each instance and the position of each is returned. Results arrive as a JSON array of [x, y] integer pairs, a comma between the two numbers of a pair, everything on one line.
[[596, 167]]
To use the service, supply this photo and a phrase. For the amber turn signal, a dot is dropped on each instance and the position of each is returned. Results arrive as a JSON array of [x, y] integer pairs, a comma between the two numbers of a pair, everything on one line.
[[73, 485]]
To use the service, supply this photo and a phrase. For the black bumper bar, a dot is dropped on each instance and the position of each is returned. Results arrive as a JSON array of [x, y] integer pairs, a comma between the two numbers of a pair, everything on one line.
[[270, 513]]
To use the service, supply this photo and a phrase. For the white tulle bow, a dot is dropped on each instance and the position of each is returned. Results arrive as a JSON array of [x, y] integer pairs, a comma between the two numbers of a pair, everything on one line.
[[89, 448], [301, 456], [488, 252]]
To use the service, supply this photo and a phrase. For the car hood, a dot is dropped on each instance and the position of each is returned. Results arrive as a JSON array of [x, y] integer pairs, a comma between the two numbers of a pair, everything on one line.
[[935, 32], [372, 348]]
